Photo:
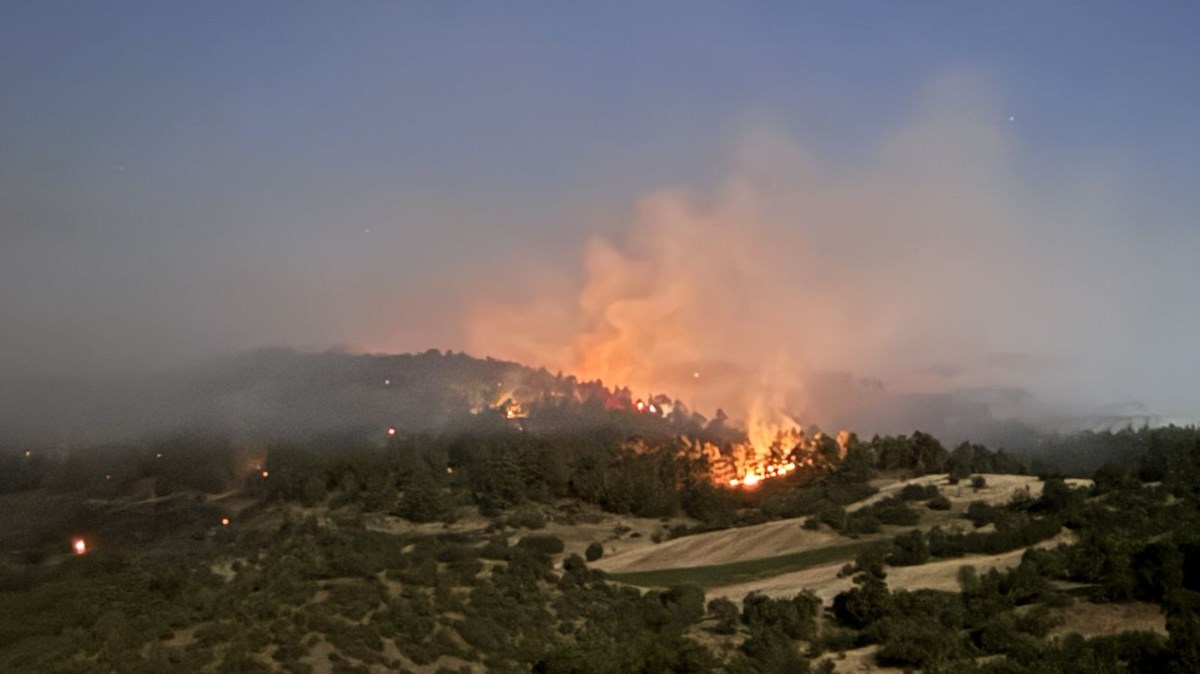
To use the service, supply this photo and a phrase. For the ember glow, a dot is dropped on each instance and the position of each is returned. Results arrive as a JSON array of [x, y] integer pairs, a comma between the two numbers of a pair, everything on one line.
[[514, 410], [224, 521], [80, 546]]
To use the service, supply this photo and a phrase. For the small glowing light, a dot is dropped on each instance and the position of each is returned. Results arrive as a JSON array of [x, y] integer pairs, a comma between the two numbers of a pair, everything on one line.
[[751, 479], [158, 455], [265, 473], [640, 406], [108, 477], [653, 409], [80, 546], [391, 431], [387, 382], [734, 482], [1012, 119], [695, 375], [224, 521], [449, 470], [28, 454]]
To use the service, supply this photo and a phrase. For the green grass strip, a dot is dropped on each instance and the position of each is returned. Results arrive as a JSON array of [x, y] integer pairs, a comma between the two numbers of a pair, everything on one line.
[[740, 572]]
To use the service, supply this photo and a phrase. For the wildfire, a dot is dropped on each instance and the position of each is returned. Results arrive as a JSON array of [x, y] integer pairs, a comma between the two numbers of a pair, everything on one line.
[[265, 474], [224, 521], [652, 408], [754, 476], [790, 450], [79, 545]]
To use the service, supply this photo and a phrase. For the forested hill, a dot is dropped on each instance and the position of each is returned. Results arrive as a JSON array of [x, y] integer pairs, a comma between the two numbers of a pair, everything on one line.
[[284, 394]]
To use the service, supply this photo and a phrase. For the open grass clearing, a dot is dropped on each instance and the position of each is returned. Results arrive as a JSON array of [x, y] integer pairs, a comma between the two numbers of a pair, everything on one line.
[[744, 571]]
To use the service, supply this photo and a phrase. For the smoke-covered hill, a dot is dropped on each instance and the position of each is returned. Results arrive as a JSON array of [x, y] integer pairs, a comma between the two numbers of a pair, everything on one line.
[[284, 394]]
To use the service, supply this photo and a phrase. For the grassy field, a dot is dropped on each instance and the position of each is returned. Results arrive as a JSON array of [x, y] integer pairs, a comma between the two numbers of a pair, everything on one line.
[[745, 571]]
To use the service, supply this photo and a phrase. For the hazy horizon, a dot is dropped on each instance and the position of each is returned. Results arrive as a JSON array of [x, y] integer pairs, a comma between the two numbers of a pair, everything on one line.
[[779, 207]]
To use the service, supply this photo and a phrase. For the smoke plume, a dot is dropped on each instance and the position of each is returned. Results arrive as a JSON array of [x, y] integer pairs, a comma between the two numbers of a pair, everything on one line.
[[938, 279]]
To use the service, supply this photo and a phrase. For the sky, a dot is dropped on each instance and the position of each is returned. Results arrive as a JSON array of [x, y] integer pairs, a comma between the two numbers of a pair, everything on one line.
[[954, 196]]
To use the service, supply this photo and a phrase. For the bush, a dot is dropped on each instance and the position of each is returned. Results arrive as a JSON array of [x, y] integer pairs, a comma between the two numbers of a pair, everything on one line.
[[917, 492], [861, 522], [726, 613], [527, 518], [981, 513], [549, 545], [938, 502], [978, 482], [795, 617], [594, 551], [895, 512], [911, 549]]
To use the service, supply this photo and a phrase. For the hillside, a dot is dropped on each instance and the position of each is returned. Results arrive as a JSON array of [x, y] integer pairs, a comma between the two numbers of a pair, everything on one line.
[[275, 394], [512, 551]]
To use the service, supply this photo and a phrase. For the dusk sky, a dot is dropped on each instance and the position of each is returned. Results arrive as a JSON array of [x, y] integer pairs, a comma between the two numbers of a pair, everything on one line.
[[181, 180]]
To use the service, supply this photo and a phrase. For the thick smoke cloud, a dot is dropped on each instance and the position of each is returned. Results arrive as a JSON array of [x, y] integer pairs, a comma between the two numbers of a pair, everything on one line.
[[938, 281]]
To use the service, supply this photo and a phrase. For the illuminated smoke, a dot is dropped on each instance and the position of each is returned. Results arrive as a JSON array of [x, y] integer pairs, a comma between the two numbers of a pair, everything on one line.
[[906, 273]]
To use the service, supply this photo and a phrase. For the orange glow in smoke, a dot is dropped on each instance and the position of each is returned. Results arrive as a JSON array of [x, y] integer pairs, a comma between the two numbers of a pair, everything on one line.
[[80, 546], [391, 431], [224, 521], [266, 473]]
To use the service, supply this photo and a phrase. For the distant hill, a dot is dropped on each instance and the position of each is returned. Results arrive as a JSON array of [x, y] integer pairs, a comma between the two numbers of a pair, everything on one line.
[[285, 394]]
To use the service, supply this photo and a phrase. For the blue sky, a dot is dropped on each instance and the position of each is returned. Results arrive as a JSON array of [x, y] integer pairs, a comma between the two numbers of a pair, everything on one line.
[[180, 179]]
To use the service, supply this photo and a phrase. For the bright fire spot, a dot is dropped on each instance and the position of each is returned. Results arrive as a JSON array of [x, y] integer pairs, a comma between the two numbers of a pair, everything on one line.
[[391, 431], [158, 455], [653, 409], [224, 521], [449, 470], [387, 382], [641, 406], [28, 454], [266, 473], [80, 546], [751, 479]]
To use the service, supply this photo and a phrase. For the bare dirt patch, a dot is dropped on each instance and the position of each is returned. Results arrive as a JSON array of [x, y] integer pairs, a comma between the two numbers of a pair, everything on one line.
[[1097, 620], [722, 547]]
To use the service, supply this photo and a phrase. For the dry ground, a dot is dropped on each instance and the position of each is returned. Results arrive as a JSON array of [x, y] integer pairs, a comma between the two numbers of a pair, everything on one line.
[[1095, 620], [788, 536]]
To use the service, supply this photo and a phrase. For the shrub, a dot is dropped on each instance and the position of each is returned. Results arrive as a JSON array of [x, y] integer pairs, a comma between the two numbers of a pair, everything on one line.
[[911, 549], [917, 492], [726, 613], [896, 512], [938, 502], [527, 518], [549, 545], [594, 551]]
